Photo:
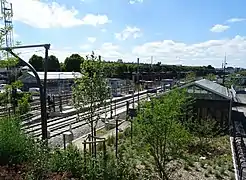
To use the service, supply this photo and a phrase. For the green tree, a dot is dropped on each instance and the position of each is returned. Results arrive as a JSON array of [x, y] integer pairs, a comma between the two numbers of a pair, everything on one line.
[[73, 63], [242, 73], [53, 63], [91, 89], [204, 129], [191, 76], [210, 67], [158, 130], [211, 77], [37, 62], [62, 65]]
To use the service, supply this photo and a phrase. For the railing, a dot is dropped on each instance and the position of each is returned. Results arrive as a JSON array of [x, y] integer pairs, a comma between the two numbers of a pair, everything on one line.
[[240, 155]]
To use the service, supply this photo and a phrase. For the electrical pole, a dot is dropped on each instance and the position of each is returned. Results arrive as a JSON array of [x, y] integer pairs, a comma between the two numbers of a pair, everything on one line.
[[138, 80], [7, 14], [224, 67]]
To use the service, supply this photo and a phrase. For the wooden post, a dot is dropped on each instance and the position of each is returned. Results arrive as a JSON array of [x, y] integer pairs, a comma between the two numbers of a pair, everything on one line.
[[133, 103], [95, 143], [64, 141], [104, 157], [116, 138], [84, 156], [111, 111], [89, 138], [131, 130], [127, 108], [53, 103], [60, 102], [115, 108]]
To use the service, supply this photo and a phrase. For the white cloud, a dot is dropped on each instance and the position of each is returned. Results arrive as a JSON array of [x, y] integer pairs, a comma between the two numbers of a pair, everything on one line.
[[232, 20], [103, 30], [109, 51], [167, 52], [128, 32], [92, 39], [91, 19], [85, 47], [47, 15], [135, 1], [204, 53], [219, 28]]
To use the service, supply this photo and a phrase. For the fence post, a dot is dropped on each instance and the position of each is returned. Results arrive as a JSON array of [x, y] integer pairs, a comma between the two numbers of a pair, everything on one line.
[[131, 130], [133, 103], [111, 111], [89, 138], [9, 111], [127, 108], [104, 157], [116, 138], [84, 156], [95, 142], [64, 141], [60, 103], [115, 108], [53, 104]]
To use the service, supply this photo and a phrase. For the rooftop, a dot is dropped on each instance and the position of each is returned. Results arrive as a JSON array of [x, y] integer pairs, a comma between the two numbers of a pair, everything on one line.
[[57, 75], [212, 87]]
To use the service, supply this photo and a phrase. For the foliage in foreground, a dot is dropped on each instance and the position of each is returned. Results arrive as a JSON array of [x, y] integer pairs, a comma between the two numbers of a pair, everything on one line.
[[158, 129], [15, 146], [159, 143]]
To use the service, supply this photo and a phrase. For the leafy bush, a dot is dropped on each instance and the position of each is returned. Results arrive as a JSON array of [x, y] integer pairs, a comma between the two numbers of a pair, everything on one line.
[[39, 165], [159, 130], [15, 146], [23, 104], [69, 160]]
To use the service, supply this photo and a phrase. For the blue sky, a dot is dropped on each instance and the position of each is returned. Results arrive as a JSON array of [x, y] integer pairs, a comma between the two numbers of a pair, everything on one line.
[[190, 32]]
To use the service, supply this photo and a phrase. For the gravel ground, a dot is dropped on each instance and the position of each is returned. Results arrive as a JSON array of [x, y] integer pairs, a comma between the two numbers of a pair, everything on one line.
[[58, 140]]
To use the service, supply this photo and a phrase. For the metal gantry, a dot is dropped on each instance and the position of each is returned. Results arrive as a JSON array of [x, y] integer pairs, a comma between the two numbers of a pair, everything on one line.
[[7, 16], [42, 86]]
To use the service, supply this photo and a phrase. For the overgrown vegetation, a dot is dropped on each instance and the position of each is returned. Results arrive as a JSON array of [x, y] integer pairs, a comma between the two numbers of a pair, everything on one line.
[[164, 146], [91, 89]]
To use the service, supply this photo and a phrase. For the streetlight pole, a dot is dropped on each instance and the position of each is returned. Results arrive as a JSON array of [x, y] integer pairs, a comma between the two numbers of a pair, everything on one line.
[[42, 88]]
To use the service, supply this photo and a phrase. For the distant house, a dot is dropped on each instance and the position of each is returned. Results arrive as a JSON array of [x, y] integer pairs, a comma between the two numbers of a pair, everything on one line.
[[116, 85], [55, 80]]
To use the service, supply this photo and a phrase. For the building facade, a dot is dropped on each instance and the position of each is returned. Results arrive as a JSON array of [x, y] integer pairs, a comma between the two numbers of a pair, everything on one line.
[[212, 101], [56, 81]]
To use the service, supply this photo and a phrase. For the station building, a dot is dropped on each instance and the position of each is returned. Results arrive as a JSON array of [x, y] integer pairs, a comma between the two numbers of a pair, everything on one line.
[[212, 101], [55, 80]]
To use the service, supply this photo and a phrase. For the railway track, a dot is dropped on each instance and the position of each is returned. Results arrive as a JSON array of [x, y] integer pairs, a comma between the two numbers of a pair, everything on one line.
[[59, 125]]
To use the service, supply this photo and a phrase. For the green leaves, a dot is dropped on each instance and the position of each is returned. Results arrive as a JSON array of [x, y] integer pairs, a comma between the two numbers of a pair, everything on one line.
[[73, 63], [11, 62], [15, 147], [92, 88], [158, 128], [191, 76], [211, 77]]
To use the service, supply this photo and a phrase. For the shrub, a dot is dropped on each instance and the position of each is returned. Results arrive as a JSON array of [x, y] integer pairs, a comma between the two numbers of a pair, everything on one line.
[[23, 104], [69, 160], [15, 146], [159, 131]]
